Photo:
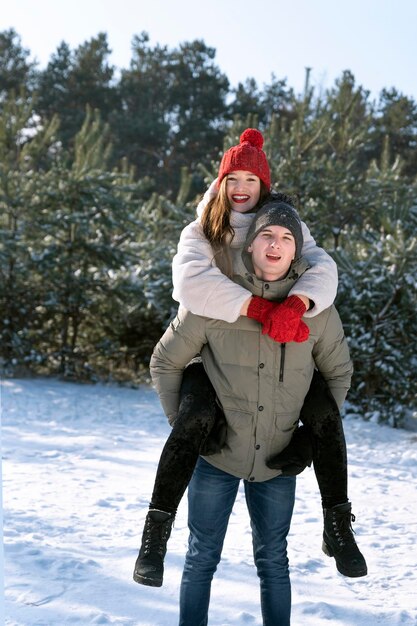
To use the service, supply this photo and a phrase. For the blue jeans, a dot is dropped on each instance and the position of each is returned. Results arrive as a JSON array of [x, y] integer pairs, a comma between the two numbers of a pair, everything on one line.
[[211, 495]]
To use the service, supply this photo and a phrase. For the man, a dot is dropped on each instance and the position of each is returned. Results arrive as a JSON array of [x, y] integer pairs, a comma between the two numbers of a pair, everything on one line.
[[261, 386]]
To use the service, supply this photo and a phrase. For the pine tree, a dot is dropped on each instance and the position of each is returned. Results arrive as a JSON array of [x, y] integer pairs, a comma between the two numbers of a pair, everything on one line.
[[294, 144], [83, 222], [378, 295], [396, 118], [24, 149], [162, 221], [173, 105], [75, 79], [17, 71]]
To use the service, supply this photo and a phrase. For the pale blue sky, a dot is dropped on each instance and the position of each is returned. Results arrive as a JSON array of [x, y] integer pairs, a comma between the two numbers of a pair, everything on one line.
[[375, 39]]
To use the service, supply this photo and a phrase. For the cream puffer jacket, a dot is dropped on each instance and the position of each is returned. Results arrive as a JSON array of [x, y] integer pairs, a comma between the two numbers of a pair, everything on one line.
[[203, 289]]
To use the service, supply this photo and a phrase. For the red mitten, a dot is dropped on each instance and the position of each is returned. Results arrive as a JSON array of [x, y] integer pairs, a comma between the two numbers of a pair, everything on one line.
[[283, 322], [302, 333], [259, 309]]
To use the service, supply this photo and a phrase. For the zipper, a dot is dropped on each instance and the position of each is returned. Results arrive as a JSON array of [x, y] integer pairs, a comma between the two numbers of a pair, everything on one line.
[[282, 363]]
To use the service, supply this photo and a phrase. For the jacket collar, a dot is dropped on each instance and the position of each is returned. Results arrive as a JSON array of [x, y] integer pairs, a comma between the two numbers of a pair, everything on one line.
[[275, 289]]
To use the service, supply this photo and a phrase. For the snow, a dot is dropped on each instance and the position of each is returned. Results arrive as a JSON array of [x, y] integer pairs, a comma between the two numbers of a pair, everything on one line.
[[78, 469]]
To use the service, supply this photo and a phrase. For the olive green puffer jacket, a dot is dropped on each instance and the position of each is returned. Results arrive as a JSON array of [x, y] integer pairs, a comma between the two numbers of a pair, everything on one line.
[[260, 384]]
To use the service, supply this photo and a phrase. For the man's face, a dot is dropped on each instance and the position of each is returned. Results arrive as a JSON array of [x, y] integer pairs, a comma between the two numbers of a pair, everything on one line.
[[273, 250]]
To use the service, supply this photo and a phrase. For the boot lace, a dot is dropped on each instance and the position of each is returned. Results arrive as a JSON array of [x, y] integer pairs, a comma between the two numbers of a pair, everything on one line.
[[342, 526], [156, 536]]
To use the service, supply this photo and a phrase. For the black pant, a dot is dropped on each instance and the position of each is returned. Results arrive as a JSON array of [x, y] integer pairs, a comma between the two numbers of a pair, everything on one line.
[[197, 414], [322, 416]]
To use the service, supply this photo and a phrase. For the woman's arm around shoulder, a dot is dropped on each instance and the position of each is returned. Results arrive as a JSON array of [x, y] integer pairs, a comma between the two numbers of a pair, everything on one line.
[[332, 357], [199, 285], [319, 282], [182, 340]]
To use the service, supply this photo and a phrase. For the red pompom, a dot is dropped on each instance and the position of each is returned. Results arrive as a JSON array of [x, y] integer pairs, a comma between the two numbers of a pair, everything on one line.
[[252, 136]]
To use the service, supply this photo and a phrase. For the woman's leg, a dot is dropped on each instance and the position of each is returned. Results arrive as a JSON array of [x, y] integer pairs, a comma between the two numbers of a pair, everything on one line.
[[196, 416], [321, 415], [270, 506], [211, 495]]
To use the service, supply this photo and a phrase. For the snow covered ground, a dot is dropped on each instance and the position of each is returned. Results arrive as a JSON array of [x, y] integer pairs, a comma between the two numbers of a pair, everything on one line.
[[78, 468]]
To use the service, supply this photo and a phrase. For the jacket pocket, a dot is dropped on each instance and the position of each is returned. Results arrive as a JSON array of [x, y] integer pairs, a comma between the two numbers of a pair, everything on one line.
[[282, 432], [240, 433], [286, 422], [284, 427]]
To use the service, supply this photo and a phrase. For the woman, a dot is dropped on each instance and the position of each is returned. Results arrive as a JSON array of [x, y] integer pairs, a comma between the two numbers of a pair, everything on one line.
[[219, 236]]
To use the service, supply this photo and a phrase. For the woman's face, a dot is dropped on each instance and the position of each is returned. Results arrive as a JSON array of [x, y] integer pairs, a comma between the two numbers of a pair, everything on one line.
[[243, 190], [273, 250]]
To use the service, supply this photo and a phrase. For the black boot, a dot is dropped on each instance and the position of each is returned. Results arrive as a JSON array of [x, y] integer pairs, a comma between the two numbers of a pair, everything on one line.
[[338, 541], [149, 566]]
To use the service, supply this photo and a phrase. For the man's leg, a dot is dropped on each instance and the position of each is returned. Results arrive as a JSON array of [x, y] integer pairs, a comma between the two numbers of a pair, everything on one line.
[[270, 505], [211, 495]]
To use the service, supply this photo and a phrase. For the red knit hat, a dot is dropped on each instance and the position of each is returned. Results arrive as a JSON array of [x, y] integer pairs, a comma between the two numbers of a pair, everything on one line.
[[247, 156]]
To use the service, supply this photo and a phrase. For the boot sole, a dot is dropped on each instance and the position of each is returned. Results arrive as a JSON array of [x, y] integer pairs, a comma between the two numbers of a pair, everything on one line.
[[348, 573], [149, 582]]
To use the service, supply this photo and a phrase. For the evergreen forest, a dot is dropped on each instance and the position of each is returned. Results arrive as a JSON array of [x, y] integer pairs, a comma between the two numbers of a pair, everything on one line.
[[102, 167]]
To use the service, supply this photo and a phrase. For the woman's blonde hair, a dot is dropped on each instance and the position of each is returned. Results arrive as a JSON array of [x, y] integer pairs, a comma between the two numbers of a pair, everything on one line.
[[215, 221]]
